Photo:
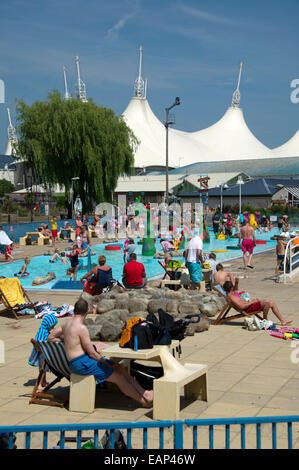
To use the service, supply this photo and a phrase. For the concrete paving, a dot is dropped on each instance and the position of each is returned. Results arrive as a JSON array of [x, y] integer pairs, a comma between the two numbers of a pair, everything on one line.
[[250, 372]]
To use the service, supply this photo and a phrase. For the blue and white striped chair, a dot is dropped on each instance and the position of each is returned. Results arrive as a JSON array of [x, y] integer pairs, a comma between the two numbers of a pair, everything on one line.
[[82, 388]]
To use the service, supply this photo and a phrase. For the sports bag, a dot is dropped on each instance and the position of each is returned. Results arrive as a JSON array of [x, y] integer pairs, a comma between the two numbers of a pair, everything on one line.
[[126, 331], [136, 332]]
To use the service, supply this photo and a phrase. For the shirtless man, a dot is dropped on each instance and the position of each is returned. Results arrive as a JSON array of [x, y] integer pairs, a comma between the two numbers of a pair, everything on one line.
[[254, 305], [221, 276], [248, 243], [86, 359]]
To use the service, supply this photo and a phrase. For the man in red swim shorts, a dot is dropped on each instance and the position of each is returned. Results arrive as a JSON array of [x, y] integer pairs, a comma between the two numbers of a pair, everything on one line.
[[254, 305], [248, 243]]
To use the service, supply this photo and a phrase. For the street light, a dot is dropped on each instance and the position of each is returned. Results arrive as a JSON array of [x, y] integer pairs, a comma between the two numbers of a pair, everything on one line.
[[177, 102], [240, 182], [221, 186], [73, 179]]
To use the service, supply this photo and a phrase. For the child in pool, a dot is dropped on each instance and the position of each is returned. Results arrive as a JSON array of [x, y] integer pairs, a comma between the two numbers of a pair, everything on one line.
[[23, 269], [55, 256], [36, 357]]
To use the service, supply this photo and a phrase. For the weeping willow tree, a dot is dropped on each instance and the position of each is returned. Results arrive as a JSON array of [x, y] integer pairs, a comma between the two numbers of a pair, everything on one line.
[[62, 139]]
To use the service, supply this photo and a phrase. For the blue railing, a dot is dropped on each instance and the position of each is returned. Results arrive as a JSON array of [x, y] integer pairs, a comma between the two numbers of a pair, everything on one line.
[[180, 434]]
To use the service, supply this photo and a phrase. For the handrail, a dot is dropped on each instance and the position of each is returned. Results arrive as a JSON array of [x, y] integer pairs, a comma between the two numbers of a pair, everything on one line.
[[291, 259], [179, 431]]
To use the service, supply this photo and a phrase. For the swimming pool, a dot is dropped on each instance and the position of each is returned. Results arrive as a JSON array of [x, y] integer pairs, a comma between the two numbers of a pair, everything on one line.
[[40, 266]]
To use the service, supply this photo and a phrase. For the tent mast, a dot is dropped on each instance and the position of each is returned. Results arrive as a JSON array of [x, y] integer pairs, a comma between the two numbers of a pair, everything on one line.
[[236, 95], [81, 88], [11, 131], [139, 86], [67, 96]]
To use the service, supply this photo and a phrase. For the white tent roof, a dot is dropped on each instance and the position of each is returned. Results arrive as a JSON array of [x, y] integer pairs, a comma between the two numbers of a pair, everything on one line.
[[289, 149], [228, 139], [183, 149], [231, 138]]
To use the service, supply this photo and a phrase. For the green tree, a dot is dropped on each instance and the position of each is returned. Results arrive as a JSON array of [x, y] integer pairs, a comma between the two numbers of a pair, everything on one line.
[[6, 187], [61, 139]]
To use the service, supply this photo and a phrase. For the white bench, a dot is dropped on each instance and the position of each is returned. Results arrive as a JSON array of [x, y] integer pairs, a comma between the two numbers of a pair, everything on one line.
[[193, 377]]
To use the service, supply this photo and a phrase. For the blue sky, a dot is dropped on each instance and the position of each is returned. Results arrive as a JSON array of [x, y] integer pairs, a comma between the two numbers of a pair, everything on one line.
[[191, 49]]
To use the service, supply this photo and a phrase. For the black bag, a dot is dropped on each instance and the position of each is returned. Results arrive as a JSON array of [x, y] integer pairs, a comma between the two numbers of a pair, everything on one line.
[[119, 440], [176, 328], [159, 332], [143, 334], [145, 375]]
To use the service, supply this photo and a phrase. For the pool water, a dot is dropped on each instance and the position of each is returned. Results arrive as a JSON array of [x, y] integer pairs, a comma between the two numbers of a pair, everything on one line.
[[39, 266]]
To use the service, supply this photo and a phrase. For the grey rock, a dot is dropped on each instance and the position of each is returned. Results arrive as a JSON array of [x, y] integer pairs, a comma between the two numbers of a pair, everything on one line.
[[105, 305], [137, 305], [209, 309], [43, 280], [202, 325], [154, 305], [172, 294], [172, 306], [187, 308]]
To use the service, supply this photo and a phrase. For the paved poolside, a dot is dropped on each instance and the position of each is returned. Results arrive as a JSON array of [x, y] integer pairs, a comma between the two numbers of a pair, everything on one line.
[[250, 373]]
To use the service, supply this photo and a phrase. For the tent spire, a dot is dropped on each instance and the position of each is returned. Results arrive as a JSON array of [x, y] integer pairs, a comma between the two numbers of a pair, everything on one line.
[[81, 88], [140, 85], [67, 96], [11, 131], [236, 95]]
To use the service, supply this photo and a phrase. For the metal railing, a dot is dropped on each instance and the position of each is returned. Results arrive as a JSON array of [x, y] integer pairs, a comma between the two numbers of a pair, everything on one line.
[[188, 434], [291, 260]]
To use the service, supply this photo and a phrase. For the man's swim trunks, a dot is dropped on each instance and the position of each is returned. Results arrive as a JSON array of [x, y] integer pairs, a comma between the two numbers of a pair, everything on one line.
[[195, 272], [256, 307], [85, 365], [247, 245]]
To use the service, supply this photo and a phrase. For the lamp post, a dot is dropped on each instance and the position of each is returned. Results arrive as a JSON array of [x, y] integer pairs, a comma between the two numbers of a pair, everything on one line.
[[240, 182], [167, 122], [73, 179], [222, 186]]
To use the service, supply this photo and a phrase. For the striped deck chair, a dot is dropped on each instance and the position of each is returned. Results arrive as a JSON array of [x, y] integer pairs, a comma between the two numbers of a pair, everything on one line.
[[56, 360], [223, 318]]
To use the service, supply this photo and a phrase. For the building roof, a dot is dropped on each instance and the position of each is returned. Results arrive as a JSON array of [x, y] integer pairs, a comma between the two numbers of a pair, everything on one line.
[[157, 182], [290, 148], [231, 139], [7, 160], [262, 167], [254, 187]]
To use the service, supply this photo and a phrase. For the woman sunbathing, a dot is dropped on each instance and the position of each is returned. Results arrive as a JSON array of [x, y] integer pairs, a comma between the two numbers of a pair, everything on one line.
[[254, 305]]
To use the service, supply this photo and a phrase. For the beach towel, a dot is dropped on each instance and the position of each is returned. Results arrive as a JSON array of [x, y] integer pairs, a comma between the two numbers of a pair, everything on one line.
[[12, 289], [279, 332]]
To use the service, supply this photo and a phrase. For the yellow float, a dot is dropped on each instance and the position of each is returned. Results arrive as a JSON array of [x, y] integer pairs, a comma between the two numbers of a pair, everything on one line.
[[221, 236], [219, 251], [252, 221]]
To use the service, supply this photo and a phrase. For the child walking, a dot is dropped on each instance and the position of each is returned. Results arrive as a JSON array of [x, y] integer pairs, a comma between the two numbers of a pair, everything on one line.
[[36, 358]]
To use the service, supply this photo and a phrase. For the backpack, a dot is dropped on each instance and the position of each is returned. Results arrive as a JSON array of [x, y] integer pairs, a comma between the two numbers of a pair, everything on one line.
[[141, 336], [126, 331], [160, 334], [176, 328], [136, 332]]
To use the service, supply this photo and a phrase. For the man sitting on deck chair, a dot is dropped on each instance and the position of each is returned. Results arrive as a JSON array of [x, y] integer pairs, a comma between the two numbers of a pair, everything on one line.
[[254, 305], [221, 276], [86, 359]]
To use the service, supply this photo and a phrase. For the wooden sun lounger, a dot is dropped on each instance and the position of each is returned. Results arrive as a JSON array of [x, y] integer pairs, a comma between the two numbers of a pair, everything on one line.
[[223, 318]]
